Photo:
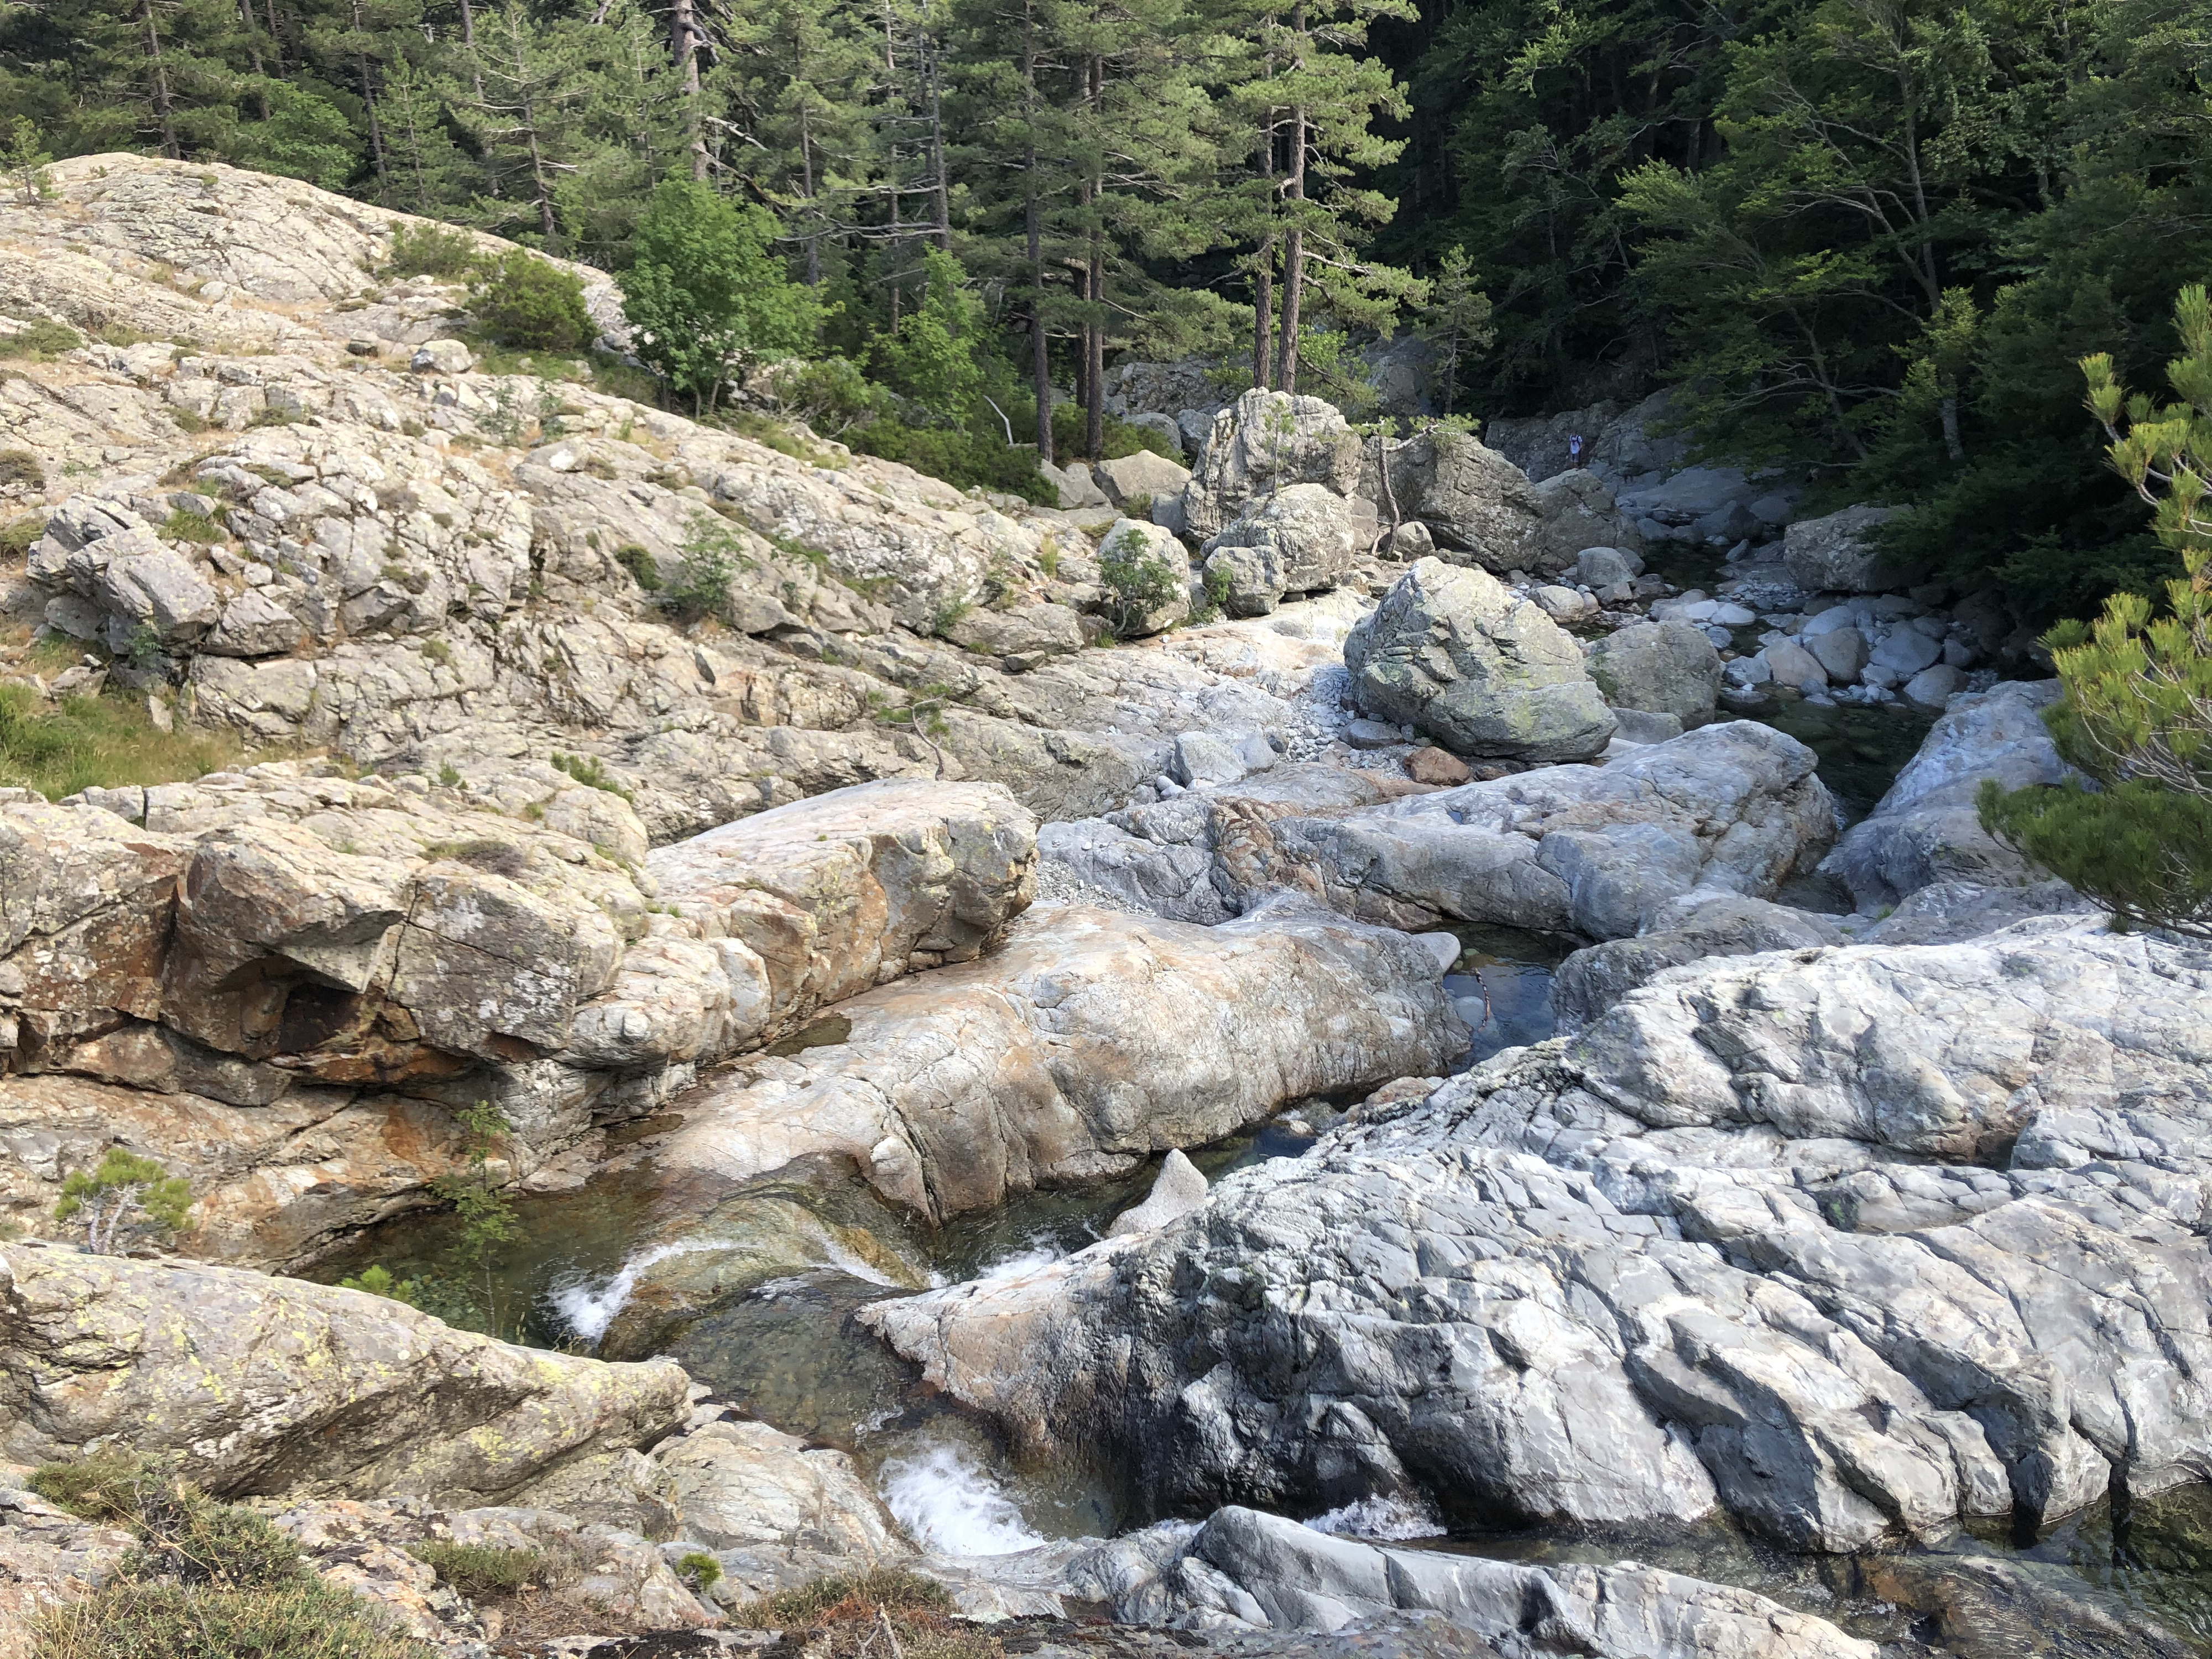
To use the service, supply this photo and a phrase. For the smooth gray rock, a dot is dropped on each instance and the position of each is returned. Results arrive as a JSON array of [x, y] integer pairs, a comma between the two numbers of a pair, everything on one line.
[[1935, 687], [1926, 828], [1841, 651], [1603, 567], [1793, 664], [1154, 476], [1642, 726], [1662, 667], [1905, 651], [1177, 1190], [1579, 513], [1453, 652]]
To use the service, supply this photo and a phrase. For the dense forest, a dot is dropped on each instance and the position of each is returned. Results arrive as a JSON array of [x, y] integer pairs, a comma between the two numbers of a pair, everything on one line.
[[1871, 237]]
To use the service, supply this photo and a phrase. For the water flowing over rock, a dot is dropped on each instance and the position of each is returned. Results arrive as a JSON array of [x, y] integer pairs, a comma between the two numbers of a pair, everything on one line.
[[1459, 656], [1853, 1242], [1089, 1042]]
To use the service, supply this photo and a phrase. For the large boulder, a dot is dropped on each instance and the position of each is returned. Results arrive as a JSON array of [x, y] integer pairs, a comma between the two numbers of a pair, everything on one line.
[[1145, 574], [1480, 508], [1836, 554], [1454, 652], [1087, 1042], [1296, 540], [256, 1384], [1663, 667], [1146, 475], [1926, 828], [1579, 513], [1850, 1243], [1704, 923], [1261, 443]]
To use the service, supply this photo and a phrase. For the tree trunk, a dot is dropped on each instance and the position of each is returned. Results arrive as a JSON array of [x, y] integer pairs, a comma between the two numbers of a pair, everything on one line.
[[1263, 274], [1094, 332], [469, 42], [162, 105], [1033, 231], [684, 29], [940, 196], [806, 175], [1954, 446], [1294, 251]]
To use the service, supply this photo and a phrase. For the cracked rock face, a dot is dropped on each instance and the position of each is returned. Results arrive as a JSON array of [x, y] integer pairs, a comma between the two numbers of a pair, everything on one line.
[[350, 958], [299, 1387], [1850, 1243]]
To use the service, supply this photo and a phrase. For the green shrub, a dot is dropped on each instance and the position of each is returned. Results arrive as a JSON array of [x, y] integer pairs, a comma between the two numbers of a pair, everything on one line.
[[967, 459], [185, 526], [712, 560], [639, 561], [127, 1197], [699, 1569], [2141, 851], [831, 394], [41, 341], [1138, 577], [377, 1280], [187, 1536], [17, 535], [1071, 430], [20, 466], [431, 251], [591, 771], [531, 303], [478, 1571]]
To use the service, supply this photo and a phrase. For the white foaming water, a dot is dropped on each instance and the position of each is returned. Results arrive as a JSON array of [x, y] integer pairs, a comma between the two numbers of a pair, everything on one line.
[[1388, 1518], [949, 1502], [589, 1306], [1039, 1252]]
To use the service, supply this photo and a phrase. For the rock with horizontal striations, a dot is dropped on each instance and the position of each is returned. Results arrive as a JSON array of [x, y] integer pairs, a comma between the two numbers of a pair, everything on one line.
[[1243, 1568], [256, 1384], [1455, 653], [1851, 1243], [254, 625]]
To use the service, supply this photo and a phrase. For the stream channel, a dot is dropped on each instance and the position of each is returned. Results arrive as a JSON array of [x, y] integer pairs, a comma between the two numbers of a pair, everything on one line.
[[752, 1287]]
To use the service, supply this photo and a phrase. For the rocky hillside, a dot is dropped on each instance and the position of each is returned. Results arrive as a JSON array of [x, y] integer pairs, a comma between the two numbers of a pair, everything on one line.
[[800, 861]]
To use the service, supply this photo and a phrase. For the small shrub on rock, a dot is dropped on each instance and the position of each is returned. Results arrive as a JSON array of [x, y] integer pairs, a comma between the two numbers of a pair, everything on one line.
[[308, 1619], [531, 304], [1139, 579], [102, 1486], [482, 1571], [431, 251], [41, 341], [20, 466]]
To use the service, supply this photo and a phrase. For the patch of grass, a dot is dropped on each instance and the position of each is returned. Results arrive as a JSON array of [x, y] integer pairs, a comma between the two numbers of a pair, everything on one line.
[[591, 771], [847, 1613], [275, 416], [186, 420], [17, 535], [774, 435], [41, 341], [308, 1619], [438, 651], [206, 1579], [187, 525], [104, 742], [477, 1571], [20, 466], [102, 1485]]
